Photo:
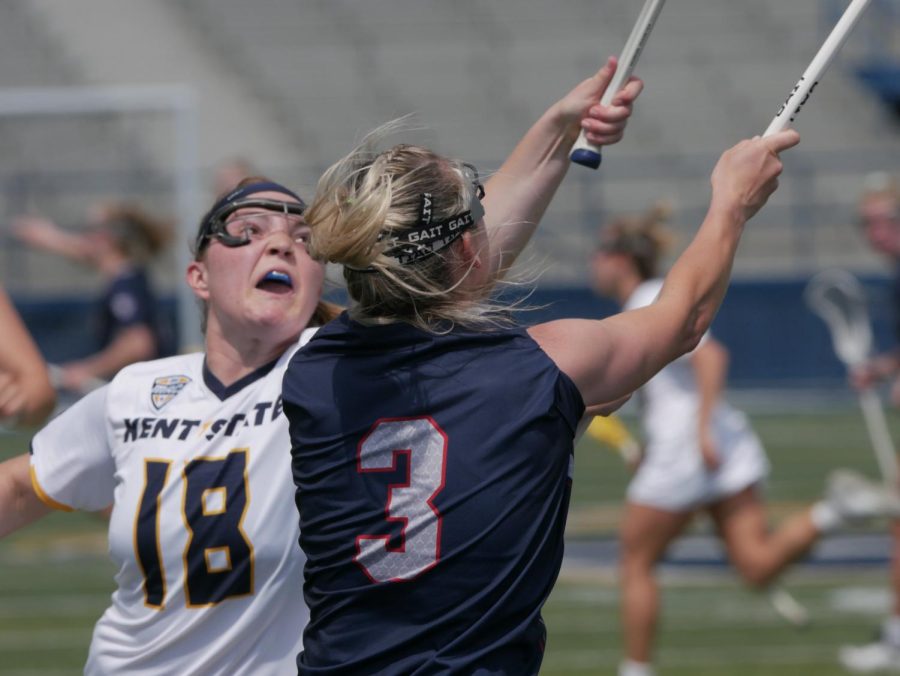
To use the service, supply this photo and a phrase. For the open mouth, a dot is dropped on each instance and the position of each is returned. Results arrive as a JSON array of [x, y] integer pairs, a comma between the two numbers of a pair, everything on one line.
[[276, 281]]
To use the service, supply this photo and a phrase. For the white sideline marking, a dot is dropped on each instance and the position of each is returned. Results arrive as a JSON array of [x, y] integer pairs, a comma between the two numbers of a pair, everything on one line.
[[874, 601], [68, 605], [721, 656], [26, 640]]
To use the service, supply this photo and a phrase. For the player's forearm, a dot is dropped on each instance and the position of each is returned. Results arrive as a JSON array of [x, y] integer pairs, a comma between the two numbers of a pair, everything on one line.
[[23, 370], [742, 181], [517, 196], [26, 397], [133, 344], [697, 282], [19, 504], [57, 241], [40, 398], [615, 356]]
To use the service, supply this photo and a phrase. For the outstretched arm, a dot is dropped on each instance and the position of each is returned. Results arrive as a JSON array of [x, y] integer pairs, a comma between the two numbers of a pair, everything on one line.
[[26, 395], [518, 194], [42, 233], [19, 504], [131, 344], [610, 358]]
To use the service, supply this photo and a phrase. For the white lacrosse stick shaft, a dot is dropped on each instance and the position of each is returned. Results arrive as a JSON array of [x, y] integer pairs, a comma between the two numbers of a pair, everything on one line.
[[816, 68], [882, 443], [585, 153]]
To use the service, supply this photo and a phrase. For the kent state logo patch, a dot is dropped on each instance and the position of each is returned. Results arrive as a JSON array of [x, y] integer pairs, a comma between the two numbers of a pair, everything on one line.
[[165, 388]]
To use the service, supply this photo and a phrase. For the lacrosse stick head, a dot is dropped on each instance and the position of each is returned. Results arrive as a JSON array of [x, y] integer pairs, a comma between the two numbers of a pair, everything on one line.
[[840, 300]]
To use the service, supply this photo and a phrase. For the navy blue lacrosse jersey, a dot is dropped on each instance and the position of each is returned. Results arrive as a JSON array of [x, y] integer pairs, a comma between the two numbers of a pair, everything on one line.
[[433, 475], [129, 301]]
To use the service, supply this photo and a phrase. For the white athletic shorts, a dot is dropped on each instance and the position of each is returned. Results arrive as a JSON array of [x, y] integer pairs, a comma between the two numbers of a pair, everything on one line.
[[672, 476]]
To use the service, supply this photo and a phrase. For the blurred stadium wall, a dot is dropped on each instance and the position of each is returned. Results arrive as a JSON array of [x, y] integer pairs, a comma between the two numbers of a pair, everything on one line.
[[291, 85]]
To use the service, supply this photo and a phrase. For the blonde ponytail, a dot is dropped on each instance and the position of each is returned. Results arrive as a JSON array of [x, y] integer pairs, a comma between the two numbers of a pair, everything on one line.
[[363, 203]]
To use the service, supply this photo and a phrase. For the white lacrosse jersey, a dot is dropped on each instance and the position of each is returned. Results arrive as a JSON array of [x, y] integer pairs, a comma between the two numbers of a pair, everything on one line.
[[672, 474], [669, 402], [204, 528]]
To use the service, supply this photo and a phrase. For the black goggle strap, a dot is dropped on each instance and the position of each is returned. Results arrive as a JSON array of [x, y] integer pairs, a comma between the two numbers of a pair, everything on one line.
[[476, 180], [215, 224], [429, 237]]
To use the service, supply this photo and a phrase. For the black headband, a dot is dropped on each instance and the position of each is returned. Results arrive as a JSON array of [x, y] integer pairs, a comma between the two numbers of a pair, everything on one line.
[[428, 236]]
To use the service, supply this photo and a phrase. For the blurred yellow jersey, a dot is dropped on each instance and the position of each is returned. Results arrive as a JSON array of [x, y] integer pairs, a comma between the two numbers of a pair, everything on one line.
[[610, 431]]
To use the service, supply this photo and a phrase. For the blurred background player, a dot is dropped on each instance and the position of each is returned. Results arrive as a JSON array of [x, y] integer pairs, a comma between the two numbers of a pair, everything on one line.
[[879, 220], [190, 449], [119, 242], [26, 395], [612, 432], [700, 454]]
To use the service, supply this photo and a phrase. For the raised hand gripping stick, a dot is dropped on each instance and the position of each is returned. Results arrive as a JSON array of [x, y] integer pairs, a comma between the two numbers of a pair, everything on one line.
[[585, 153]]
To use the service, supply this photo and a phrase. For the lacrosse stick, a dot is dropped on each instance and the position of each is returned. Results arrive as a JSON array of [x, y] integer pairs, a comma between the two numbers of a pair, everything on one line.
[[817, 67], [840, 300], [583, 152]]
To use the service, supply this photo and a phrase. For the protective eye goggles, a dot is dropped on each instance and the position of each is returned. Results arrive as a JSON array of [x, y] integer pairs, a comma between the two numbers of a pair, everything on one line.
[[472, 175], [233, 229]]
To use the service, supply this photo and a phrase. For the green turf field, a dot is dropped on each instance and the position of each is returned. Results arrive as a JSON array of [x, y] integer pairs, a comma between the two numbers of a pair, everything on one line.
[[55, 578]]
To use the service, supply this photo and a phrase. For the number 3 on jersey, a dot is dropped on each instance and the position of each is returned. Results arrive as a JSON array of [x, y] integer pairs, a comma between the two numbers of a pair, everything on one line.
[[218, 558], [409, 503]]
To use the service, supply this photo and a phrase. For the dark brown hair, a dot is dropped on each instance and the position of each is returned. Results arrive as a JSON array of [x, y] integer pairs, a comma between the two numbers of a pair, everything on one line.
[[644, 238]]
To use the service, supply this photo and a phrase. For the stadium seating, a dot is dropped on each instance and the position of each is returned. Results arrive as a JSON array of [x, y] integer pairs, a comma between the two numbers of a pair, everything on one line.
[[478, 73], [293, 85]]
